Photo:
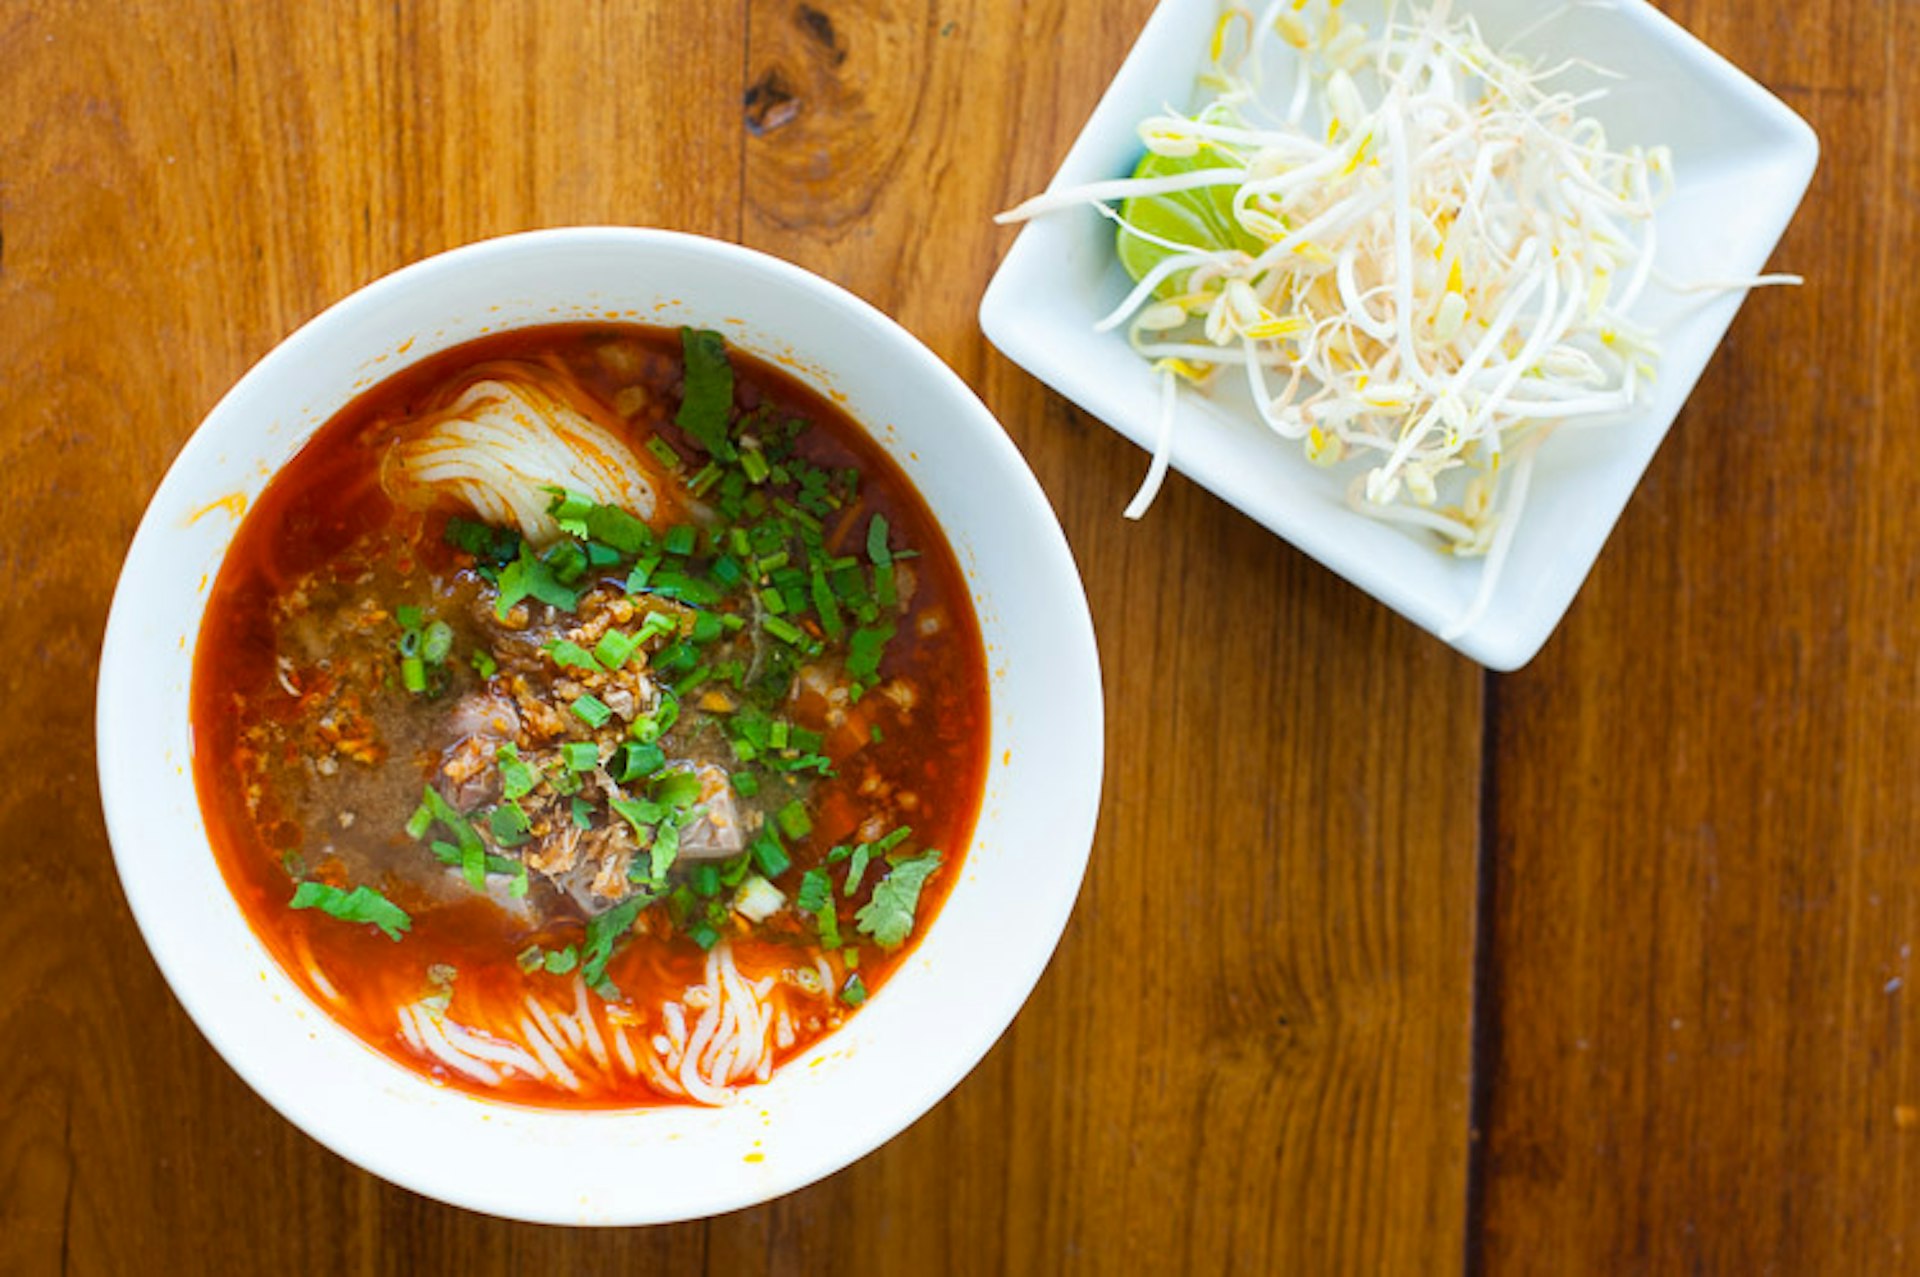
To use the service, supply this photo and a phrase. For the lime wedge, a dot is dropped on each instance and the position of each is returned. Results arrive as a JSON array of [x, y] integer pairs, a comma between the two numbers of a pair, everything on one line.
[[1200, 218]]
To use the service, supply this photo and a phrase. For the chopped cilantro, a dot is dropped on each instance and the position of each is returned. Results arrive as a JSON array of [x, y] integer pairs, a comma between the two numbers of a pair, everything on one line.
[[516, 778], [362, 904], [816, 891], [676, 789], [509, 824], [486, 543], [877, 541], [888, 917], [615, 527], [528, 577], [864, 650], [604, 933], [854, 992], [707, 396]]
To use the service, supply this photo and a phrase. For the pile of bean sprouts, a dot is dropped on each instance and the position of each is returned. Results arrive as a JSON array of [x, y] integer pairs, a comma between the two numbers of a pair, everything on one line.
[[1447, 254]]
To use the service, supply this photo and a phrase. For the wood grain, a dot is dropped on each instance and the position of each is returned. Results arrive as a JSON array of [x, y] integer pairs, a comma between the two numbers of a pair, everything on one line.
[[1706, 876], [1255, 1050]]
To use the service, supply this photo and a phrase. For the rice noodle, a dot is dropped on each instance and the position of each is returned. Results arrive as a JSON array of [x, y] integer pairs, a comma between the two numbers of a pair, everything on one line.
[[544, 1049], [730, 1041], [506, 439], [624, 1050], [583, 1016], [434, 1038], [739, 1026]]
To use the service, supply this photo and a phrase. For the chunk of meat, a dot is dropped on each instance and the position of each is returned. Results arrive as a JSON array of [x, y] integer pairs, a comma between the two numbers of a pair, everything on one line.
[[716, 832], [480, 723]]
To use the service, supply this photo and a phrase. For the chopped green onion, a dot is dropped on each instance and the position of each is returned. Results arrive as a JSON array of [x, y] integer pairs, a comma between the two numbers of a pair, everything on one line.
[[665, 452], [657, 625], [570, 655], [784, 630], [413, 674], [484, 664], [769, 855], [615, 648], [793, 820], [679, 539], [580, 755], [676, 657], [746, 784], [436, 643], [642, 572], [637, 759], [754, 465], [592, 710]]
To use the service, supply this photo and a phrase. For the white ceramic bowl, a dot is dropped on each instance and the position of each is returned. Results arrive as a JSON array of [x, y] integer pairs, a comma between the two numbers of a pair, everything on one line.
[[1743, 159], [856, 1088]]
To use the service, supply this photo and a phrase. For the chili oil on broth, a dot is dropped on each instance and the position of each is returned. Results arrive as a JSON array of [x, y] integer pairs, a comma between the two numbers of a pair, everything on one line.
[[311, 754]]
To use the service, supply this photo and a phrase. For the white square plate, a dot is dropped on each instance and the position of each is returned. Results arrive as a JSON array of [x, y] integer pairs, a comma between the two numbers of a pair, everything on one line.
[[1743, 160]]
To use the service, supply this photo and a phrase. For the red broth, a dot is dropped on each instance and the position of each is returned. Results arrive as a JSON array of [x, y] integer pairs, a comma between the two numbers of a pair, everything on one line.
[[311, 753]]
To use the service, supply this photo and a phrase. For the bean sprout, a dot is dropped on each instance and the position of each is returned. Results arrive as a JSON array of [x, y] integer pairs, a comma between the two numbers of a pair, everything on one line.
[[1421, 256]]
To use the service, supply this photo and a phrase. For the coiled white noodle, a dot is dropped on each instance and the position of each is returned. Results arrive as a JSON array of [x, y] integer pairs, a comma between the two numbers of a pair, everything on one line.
[[505, 440]]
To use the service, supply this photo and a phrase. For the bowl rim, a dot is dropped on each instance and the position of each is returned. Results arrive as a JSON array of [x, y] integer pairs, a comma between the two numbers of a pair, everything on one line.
[[1080, 777]]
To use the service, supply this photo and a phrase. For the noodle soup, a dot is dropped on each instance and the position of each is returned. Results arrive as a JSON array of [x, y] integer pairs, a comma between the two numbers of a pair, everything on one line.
[[590, 715]]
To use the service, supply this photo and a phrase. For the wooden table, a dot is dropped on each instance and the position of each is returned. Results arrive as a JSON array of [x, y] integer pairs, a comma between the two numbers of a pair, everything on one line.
[[1382, 965]]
